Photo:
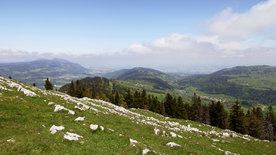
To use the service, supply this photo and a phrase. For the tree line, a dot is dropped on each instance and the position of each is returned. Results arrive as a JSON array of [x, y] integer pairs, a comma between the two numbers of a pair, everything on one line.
[[255, 122]]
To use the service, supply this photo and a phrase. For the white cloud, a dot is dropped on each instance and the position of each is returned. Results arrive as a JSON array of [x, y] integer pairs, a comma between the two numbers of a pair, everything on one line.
[[258, 19]]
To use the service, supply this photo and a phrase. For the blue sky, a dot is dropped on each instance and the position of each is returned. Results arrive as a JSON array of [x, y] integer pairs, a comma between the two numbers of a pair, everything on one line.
[[95, 26], [140, 32]]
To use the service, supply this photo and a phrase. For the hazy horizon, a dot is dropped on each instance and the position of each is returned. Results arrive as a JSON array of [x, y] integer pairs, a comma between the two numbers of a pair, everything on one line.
[[165, 35]]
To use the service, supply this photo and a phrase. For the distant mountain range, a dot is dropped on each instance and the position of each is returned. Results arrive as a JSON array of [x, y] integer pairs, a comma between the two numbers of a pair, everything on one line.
[[58, 70], [256, 83]]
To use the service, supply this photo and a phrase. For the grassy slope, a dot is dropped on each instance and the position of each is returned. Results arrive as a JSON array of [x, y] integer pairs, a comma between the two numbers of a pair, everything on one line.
[[23, 117]]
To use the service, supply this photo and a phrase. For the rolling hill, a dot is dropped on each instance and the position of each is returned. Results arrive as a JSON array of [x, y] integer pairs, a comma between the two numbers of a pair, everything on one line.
[[253, 83], [58, 70], [157, 79], [36, 121]]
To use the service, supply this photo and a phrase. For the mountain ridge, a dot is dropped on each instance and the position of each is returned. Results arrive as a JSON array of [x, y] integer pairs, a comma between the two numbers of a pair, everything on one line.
[[58, 70], [159, 79], [255, 83]]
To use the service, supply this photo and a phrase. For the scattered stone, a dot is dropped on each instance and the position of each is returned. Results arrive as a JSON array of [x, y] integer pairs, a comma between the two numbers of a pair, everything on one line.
[[234, 135], [145, 151], [102, 128], [59, 108], [156, 131], [26, 91], [11, 140], [164, 134], [179, 136], [79, 119], [215, 140], [133, 142], [3, 88], [172, 144], [246, 138], [54, 129], [173, 134], [225, 134], [94, 126], [72, 136], [50, 103]]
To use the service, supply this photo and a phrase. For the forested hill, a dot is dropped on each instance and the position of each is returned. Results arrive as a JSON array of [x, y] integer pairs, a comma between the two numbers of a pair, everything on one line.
[[158, 79], [58, 70], [94, 87], [255, 83]]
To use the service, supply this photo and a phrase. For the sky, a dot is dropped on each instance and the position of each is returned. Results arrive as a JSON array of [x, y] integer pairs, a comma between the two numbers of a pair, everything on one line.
[[175, 35]]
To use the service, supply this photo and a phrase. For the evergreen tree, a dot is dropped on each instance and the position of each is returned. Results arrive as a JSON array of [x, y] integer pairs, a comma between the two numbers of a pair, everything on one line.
[[48, 85], [72, 90], [205, 115], [137, 101], [119, 100], [87, 93], [116, 98], [128, 98], [253, 124], [237, 118], [259, 114], [196, 109], [79, 90], [168, 104], [102, 96], [180, 109], [218, 115], [269, 125], [144, 99], [34, 84]]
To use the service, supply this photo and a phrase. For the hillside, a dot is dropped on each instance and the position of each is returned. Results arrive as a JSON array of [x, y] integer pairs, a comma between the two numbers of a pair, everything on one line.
[[36, 121], [254, 83], [146, 76], [58, 70], [97, 85]]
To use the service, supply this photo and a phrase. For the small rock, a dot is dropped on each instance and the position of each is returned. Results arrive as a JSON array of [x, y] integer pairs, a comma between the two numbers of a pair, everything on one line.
[[54, 129], [102, 128], [145, 151], [173, 134], [172, 144], [94, 126], [11, 140], [156, 131], [133, 142], [72, 136], [79, 119]]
